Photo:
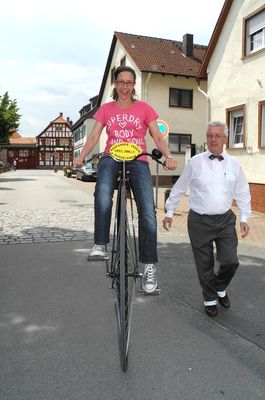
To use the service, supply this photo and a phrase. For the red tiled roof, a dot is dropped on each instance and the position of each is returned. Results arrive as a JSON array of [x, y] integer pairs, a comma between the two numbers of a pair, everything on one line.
[[161, 55], [59, 120], [22, 140], [15, 135]]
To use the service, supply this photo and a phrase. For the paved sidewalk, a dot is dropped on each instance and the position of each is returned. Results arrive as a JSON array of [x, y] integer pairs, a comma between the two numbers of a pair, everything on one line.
[[256, 221], [18, 225]]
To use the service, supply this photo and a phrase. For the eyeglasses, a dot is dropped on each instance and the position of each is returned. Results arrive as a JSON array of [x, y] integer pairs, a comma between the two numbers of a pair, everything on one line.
[[215, 136], [124, 83]]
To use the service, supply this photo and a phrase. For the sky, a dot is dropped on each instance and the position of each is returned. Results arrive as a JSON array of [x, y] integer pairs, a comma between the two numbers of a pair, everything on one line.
[[53, 53]]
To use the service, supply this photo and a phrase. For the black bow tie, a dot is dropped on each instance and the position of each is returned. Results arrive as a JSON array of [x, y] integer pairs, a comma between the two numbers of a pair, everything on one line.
[[219, 158]]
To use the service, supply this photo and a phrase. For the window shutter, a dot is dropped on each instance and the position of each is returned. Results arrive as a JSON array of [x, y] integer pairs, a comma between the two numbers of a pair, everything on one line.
[[256, 23], [175, 97], [187, 98], [180, 98]]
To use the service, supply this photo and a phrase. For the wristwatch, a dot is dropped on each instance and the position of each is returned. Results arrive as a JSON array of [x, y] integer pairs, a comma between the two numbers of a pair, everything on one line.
[[170, 157]]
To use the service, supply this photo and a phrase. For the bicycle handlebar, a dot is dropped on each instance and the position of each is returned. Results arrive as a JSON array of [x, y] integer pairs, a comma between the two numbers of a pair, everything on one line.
[[155, 155]]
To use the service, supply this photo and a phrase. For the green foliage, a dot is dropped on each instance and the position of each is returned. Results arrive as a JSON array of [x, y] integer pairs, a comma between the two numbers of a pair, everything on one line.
[[9, 117]]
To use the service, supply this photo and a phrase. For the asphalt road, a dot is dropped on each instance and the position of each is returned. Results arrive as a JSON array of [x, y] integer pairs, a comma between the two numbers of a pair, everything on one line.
[[58, 336]]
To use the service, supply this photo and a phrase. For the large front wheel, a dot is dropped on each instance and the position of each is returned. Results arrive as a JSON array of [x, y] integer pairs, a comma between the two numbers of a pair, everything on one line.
[[124, 267]]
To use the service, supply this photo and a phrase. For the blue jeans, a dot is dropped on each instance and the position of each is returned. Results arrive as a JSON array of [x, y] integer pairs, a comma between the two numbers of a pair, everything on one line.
[[142, 187]]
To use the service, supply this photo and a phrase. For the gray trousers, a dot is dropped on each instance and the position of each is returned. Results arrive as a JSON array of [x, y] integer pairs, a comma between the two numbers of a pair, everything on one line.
[[204, 231]]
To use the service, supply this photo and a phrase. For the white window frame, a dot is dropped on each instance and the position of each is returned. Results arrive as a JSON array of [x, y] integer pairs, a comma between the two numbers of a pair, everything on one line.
[[255, 32], [236, 128]]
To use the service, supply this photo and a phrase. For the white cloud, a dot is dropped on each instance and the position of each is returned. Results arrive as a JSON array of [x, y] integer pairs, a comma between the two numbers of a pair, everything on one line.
[[55, 52]]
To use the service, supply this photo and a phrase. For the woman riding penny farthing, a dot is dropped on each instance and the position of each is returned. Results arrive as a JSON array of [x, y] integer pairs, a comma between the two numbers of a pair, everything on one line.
[[127, 119]]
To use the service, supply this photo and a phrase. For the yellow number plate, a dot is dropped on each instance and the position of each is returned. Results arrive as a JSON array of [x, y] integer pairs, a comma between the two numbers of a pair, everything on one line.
[[125, 151]]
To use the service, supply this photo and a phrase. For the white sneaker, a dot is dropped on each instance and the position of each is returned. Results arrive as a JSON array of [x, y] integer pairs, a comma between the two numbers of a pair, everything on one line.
[[150, 281], [98, 250]]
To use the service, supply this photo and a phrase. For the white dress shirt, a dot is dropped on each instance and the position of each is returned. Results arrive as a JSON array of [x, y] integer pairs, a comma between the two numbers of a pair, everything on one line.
[[213, 185]]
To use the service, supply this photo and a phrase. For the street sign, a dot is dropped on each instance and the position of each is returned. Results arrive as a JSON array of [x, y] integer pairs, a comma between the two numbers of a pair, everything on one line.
[[163, 127]]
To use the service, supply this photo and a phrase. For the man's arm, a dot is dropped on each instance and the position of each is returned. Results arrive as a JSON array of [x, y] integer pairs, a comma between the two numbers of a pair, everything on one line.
[[176, 193]]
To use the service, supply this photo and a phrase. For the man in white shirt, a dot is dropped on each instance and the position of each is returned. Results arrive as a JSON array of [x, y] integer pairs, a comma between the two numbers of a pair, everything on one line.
[[214, 179]]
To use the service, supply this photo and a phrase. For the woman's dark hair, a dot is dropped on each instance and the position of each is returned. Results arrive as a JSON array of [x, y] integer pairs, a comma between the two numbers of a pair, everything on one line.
[[118, 70]]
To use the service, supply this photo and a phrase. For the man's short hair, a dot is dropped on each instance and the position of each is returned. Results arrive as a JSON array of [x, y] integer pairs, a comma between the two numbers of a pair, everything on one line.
[[218, 123]]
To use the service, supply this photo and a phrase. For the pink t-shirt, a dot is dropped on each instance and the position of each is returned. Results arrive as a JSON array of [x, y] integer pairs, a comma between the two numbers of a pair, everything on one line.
[[126, 124]]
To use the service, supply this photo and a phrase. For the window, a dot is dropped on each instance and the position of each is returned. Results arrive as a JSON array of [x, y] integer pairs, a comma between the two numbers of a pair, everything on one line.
[[123, 61], [262, 124], [178, 142], [64, 142], [77, 135], [235, 122], [254, 32], [84, 130], [23, 153], [58, 127], [180, 98]]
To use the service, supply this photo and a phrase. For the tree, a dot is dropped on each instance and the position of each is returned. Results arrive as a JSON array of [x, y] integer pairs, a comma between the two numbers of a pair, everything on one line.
[[9, 117]]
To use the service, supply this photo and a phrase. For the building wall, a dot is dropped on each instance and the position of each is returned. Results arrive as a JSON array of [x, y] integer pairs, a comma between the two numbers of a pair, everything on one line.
[[180, 120], [26, 157], [84, 131], [233, 81], [257, 197]]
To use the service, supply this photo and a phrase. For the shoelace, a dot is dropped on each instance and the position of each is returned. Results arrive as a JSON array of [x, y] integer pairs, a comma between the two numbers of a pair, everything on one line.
[[150, 273], [99, 247]]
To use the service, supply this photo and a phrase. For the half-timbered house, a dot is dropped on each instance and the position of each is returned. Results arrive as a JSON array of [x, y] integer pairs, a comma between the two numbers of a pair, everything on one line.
[[55, 144]]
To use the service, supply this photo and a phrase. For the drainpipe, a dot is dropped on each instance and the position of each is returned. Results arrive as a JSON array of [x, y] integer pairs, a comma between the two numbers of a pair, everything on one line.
[[146, 84], [207, 100], [157, 170]]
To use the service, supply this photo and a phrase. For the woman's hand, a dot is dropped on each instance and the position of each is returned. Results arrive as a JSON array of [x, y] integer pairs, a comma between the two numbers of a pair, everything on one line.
[[170, 163], [78, 161]]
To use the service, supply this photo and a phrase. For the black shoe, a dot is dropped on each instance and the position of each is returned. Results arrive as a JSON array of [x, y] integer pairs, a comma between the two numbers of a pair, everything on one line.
[[224, 301], [211, 310]]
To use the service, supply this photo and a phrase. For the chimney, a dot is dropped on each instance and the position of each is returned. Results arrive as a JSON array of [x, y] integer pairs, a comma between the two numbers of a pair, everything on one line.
[[187, 46], [61, 114]]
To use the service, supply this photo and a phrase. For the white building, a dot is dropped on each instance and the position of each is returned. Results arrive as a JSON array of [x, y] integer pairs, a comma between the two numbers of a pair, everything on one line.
[[234, 67]]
